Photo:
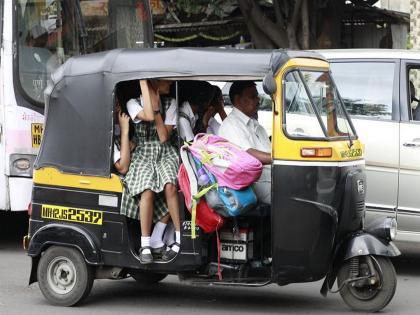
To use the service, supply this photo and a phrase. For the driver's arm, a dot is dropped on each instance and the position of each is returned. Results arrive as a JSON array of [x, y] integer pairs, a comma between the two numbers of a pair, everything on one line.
[[263, 157]]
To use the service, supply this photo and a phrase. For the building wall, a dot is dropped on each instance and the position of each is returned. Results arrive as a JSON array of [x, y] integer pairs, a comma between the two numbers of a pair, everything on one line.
[[395, 5], [415, 24]]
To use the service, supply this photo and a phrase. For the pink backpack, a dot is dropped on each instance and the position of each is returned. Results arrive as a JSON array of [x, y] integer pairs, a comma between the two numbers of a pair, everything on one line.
[[232, 166]]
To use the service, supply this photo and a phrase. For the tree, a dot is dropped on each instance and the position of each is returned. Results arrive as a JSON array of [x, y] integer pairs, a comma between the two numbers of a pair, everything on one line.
[[297, 24], [294, 24]]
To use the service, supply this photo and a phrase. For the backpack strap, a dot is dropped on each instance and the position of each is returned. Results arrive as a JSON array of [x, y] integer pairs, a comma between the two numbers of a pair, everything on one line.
[[195, 194], [185, 116]]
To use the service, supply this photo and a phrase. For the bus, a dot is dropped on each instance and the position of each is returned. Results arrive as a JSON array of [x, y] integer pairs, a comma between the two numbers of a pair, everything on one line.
[[36, 37]]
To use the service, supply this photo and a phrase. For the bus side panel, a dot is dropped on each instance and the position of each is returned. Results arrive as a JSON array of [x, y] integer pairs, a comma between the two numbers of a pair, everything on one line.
[[304, 221], [4, 202]]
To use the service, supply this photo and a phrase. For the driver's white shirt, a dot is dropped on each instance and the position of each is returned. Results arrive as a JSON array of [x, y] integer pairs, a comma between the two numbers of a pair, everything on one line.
[[247, 133]]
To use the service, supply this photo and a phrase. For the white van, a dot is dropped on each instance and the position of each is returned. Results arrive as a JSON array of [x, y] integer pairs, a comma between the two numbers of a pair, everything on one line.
[[381, 91]]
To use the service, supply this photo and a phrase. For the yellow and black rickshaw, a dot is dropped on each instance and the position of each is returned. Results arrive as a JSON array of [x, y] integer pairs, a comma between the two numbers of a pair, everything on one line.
[[314, 228]]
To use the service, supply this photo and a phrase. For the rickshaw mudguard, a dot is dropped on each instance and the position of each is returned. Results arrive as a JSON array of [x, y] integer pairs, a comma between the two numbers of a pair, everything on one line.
[[363, 244], [65, 235], [359, 244]]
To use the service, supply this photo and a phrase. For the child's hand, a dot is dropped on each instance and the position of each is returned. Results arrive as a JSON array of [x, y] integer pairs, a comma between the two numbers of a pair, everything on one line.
[[124, 121], [132, 146], [154, 96], [210, 112]]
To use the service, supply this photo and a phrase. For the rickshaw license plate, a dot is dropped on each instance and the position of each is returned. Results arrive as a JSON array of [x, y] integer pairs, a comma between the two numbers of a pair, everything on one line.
[[72, 214]]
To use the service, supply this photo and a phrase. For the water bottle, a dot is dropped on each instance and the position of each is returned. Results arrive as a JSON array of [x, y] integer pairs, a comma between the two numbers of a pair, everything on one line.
[[203, 179]]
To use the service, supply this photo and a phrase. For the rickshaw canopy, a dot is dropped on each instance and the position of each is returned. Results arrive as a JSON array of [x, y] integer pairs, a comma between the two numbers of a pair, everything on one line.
[[79, 99]]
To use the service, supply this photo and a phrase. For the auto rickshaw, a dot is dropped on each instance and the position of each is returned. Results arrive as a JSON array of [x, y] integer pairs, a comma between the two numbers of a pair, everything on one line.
[[312, 230]]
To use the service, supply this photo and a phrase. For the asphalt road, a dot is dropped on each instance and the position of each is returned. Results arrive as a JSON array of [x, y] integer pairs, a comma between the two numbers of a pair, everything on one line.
[[173, 297]]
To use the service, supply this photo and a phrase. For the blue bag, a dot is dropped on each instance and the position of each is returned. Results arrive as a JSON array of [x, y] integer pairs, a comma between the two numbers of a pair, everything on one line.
[[237, 202], [227, 202]]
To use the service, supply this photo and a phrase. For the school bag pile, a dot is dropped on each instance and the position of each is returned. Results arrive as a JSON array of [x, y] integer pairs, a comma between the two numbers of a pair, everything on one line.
[[216, 179]]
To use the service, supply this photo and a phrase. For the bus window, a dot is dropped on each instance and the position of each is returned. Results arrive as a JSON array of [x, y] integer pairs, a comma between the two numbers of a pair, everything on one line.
[[51, 31]]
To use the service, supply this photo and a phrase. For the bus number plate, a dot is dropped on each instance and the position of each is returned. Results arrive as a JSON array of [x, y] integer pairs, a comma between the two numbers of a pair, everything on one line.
[[36, 135], [72, 214]]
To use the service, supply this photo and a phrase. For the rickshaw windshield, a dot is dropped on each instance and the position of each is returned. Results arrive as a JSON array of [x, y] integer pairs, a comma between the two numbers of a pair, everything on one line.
[[312, 106]]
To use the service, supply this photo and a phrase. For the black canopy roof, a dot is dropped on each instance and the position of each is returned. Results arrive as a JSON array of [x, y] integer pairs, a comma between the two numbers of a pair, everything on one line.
[[79, 100]]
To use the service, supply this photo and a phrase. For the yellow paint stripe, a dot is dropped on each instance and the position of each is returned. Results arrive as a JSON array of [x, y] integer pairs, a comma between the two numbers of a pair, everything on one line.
[[52, 177]]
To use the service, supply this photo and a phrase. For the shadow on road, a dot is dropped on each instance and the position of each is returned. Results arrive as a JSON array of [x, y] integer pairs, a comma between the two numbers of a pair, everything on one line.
[[13, 226], [173, 295], [408, 265]]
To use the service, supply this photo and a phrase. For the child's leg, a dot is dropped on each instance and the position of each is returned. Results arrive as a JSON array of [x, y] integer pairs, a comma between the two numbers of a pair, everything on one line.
[[171, 195], [157, 234], [146, 212], [146, 215]]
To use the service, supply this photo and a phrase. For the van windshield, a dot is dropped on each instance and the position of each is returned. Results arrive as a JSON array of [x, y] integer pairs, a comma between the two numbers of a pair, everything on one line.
[[313, 108], [51, 31]]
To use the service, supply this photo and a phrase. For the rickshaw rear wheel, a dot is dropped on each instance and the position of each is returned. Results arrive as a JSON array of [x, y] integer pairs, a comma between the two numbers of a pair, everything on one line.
[[145, 277], [63, 276], [369, 298]]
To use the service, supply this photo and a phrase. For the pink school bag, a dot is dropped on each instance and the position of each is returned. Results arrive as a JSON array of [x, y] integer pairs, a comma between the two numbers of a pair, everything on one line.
[[232, 166]]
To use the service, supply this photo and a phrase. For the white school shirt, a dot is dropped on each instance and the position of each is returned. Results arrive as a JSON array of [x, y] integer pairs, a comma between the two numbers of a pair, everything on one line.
[[117, 153], [247, 133], [135, 106], [213, 126], [186, 126]]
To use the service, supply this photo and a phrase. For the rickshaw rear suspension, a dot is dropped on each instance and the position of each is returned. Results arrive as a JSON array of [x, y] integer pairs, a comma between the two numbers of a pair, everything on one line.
[[354, 267]]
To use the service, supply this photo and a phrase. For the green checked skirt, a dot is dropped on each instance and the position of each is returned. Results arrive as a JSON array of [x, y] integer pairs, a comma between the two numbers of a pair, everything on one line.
[[153, 165]]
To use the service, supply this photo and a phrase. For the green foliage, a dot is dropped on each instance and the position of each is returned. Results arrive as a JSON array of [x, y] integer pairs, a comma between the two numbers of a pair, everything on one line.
[[202, 8]]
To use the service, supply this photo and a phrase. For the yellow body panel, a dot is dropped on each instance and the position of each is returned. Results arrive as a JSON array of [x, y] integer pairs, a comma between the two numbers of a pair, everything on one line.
[[285, 148], [52, 177]]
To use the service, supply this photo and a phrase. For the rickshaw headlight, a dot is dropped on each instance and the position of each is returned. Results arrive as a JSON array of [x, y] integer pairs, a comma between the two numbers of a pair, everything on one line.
[[391, 226], [383, 228]]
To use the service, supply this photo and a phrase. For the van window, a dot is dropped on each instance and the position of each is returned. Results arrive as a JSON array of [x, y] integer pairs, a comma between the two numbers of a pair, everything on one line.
[[414, 93], [365, 87]]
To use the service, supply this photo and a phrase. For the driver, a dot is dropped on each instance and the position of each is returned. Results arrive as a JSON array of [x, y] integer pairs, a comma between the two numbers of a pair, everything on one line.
[[241, 128]]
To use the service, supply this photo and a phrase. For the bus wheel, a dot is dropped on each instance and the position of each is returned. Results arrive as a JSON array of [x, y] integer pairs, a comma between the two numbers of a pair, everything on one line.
[[145, 277], [63, 276], [368, 295]]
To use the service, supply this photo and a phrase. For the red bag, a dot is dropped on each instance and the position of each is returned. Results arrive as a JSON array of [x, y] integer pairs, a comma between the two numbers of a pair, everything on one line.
[[206, 218]]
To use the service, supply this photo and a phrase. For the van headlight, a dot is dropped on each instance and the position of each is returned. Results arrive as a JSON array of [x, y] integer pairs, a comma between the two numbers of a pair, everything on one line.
[[383, 228]]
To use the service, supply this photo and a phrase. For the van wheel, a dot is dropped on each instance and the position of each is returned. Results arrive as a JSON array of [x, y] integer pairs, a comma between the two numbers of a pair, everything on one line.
[[366, 297], [145, 277], [63, 276]]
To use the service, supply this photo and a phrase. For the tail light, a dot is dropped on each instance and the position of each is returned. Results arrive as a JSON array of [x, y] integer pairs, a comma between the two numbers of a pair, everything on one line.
[[316, 152], [30, 209]]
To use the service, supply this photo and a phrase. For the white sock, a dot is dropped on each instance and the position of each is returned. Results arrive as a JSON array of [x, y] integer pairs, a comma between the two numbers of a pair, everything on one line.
[[169, 235], [145, 241], [156, 238], [175, 247]]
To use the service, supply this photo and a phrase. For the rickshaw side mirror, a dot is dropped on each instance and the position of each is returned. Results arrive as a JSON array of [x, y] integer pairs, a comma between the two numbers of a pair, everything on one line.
[[269, 84]]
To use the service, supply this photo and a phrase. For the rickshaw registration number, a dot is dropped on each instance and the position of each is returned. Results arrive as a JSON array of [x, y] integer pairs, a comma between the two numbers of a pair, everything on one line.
[[72, 214]]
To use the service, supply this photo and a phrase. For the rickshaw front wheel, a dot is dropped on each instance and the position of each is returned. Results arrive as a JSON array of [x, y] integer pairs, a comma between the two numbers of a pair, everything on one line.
[[63, 276], [147, 277], [368, 296]]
